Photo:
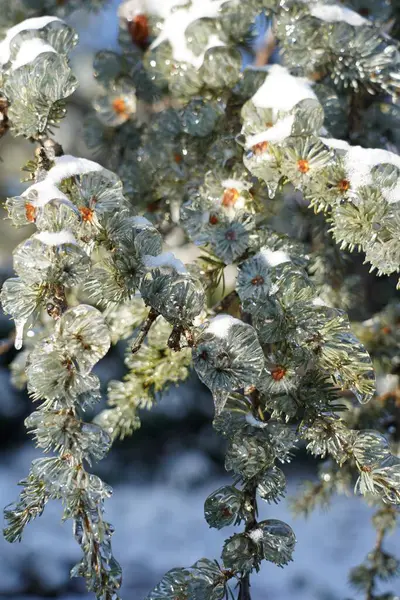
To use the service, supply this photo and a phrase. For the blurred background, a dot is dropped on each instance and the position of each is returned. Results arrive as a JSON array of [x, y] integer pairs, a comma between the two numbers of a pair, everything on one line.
[[162, 475]]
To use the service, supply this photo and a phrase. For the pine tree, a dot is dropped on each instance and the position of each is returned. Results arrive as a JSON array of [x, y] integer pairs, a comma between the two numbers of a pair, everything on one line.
[[281, 171]]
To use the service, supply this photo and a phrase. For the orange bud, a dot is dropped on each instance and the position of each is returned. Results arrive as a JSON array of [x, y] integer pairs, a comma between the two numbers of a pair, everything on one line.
[[344, 185], [30, 212], [230, 196], [213, 220], [303, 166], [257, 280], [278, 373], [138, 27], [87, 214], [260, 148], [119, 106]]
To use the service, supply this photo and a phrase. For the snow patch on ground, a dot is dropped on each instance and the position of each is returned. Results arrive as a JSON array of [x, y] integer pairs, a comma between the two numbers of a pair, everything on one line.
[[160, 526]]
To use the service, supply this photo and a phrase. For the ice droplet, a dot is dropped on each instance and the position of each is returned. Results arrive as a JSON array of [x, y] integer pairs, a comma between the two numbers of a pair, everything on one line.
[[19, 333]]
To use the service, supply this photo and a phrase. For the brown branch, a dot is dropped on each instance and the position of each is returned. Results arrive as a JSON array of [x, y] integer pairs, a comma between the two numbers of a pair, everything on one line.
[[250, 492], [265, 52], [374, 571], [7, 343], [4, 123], [225, 303], [144, 330], [244, 588]]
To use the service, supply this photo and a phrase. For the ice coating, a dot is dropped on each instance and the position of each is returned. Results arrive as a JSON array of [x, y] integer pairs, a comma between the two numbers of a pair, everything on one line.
[[176, 23], [34, 23], [282, 91]]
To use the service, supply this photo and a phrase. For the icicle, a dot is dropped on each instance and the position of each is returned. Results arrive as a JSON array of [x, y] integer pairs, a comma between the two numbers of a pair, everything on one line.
[[363, 398], [19, 333], [220, 399]]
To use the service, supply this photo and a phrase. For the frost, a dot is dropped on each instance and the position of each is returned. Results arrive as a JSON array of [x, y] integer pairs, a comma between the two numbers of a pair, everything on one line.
[[359, 162], [281, 90], [277, 133], [319, 302], [273, 258], [45, 192], [255, 422], [336, 144], [55, 238], [166, 259], [29, 50], [177, 22], [332, 13], [256, 535], [221, 324], [235, 184], [141, 221], [35, 23], [127, 10], [65, 166]]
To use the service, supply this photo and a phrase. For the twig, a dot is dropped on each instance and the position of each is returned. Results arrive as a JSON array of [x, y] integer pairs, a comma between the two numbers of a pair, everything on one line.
[[244, 588], [174, 340], [4, 124], [265, 52], [370, 591], [359, 101], [7, 343], [226, 302], [251, 496], [144, 330]]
